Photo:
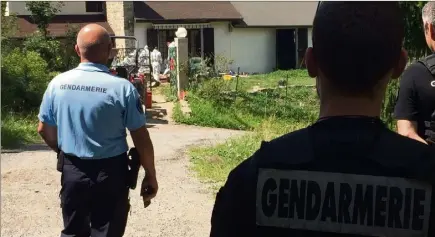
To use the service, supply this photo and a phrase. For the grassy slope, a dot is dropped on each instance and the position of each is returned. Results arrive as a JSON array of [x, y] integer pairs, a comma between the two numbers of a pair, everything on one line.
[[213, 163], [294, 77], [267, 115], [247, 111], [17, 130]]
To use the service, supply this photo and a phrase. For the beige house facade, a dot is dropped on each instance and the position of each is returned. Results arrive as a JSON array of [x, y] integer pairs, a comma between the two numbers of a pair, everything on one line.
[[258, 37]]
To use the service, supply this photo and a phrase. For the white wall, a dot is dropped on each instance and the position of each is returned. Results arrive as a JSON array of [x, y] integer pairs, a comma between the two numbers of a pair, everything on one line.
[[68, 8], [252, 49], [140, 32]]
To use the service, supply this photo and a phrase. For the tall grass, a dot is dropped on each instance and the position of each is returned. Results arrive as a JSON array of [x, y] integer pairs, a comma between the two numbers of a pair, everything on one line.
[[166, 90], [213, 164], [18, 129], [215, 105], [293, 77], [268, 115]]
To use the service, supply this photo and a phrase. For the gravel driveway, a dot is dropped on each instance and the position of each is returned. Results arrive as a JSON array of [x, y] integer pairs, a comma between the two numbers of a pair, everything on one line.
[[30, 189]]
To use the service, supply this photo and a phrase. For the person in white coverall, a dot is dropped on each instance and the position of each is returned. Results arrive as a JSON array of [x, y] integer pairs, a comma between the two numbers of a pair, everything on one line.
[[143, 59], [156, 62]]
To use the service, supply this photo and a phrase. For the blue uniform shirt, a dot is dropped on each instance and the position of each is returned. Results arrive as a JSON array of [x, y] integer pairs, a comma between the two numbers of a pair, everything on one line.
[[91, 109]]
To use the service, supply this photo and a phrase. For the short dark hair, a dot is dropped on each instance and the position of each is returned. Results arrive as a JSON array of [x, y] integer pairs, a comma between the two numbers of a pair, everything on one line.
[[356, 43]]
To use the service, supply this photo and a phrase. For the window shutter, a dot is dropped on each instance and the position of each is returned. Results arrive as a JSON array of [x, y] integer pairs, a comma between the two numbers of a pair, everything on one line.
[[152, 39], [209, 43]]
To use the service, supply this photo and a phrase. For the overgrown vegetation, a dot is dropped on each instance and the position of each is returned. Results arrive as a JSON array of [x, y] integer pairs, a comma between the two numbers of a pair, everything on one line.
[[18, 129], [27, 67], [213, 164], [275, 111], [265, 114], [217, 104], [296, 77], [414, 43]]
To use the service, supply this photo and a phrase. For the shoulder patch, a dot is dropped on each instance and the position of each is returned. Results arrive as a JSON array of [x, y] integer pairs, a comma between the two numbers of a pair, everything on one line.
[[139, 106]]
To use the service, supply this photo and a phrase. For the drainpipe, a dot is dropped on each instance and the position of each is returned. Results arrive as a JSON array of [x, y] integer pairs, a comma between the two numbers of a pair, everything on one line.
[[202, 42], [297, 48]]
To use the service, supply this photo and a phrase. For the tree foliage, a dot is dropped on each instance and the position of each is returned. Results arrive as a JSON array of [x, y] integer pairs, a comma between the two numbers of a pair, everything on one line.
[[415, 42], [416, 46], [8, 28], [24, 77], [42, 12], [29, 65], [59, 55], [70, 57]]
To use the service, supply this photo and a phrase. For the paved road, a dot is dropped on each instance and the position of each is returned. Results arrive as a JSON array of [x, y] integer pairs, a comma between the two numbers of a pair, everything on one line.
[[30, 188]]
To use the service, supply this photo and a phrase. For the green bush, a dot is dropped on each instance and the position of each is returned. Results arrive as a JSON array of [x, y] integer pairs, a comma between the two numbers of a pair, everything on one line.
[[389, 103], [47, 48], [24, 79], [60, 55]]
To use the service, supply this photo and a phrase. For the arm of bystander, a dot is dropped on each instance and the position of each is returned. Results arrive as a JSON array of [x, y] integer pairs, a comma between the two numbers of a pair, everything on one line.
[[134, 119], [47, 127], [406, 111]]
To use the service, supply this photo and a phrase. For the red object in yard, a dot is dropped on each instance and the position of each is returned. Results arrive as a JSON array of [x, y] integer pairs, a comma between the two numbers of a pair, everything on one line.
[[182, 94], [149, 100], [141, 77], [172, 64]]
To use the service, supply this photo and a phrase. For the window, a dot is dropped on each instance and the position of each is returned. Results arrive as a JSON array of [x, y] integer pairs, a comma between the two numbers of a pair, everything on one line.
[[194, 42], [94, 6], [164, 36]]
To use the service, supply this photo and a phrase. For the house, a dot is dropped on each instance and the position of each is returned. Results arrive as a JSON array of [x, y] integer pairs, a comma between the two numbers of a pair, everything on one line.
[[74, 14], [257, 36]]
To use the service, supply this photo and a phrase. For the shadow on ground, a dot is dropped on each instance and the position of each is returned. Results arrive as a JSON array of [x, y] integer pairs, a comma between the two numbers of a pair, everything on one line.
[[155, 116], [32, 147], [154, 121]]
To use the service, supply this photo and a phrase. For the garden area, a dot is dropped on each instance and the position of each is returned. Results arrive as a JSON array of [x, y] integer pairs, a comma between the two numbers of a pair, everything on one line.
[[266, 105], [270, 105], [27, 67], [284, 101]]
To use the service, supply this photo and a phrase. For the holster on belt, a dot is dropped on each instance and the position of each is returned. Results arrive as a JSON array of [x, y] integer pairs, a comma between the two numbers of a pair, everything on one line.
[[133, 167], [60, 161]]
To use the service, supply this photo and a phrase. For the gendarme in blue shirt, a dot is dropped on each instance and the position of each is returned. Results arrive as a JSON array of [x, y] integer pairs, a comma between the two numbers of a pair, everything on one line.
[[91, 109]]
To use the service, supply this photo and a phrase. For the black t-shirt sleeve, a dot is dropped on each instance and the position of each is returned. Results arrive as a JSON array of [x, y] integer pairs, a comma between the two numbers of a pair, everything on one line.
[[406, 105], [230, 208]]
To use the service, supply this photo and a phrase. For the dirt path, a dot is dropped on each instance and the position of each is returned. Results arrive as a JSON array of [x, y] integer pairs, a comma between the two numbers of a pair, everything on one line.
[[30, 188]]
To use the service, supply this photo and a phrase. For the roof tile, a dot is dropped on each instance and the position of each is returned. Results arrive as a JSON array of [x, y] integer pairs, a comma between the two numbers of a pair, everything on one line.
[[60, 24], [194, 10]]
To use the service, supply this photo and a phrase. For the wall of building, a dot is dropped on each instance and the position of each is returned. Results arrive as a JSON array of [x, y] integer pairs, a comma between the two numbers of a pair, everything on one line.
[[251, 49], [68, 8], [121, 20], [140, 32]]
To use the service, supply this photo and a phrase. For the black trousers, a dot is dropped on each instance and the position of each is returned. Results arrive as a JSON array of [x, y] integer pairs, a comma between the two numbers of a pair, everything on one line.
[[94, 196]]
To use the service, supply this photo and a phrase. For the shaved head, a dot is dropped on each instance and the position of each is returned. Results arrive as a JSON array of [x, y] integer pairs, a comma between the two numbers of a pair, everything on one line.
[[93, 44]]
